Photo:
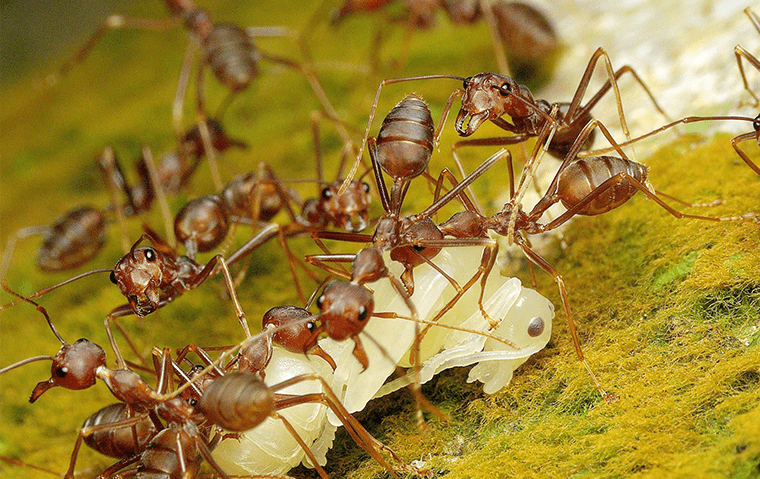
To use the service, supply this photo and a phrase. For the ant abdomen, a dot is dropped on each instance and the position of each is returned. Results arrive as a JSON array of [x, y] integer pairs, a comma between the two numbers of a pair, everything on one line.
[[73, 240], [163, 458], [118, 442], [232, 56], [530, 41], [237, 401], [202, 224], [583, 176], [405, 140]]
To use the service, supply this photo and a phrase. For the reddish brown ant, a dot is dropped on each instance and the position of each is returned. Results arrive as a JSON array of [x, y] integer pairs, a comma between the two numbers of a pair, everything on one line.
[[227, 49], [77, 366], [490, 96], [525, 42], [152, 276], [588, 187], [174, 170], [239, 401], [77, 236]]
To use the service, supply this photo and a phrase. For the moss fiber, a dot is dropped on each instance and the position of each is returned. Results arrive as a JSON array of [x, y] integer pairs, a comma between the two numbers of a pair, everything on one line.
[[668, 310]]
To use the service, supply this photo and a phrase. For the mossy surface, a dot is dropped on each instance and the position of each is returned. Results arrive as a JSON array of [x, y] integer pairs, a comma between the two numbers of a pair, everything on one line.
[[668, 310]]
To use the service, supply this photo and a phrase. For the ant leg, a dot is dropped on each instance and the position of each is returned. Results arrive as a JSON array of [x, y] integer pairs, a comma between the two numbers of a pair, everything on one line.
[[205, 452], [115, 181], [574, 115], [306, 70], [18, 463], [468, 203], [113, 22], [740, 53], [357, 432], [10, 245], [181, 91], [735, 143], [498, 47], [202, 123], [124, 310], [160, 194], [498, 141], [207, 271], [487, 262], [543, 264]]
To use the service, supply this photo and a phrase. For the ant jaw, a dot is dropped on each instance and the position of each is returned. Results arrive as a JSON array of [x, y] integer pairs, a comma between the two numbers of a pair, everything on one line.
[[145, 303], [142, 307], [40, 389], [355, 222], [476, 119], [407, 277], [360, 354]]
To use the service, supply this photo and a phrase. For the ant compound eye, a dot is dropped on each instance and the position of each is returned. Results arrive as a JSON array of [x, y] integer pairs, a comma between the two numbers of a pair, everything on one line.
[[326, 194], [465, 82], [365, 187], [150, 255], [756, 123], [320, 300], [362, 313], [535, 327], [311, 325], [505, 89], [192, 401], [418, 248], [62, 372], [113, 277]]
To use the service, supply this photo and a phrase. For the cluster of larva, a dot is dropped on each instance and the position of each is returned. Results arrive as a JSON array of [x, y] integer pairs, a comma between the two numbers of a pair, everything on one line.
[[422, 293]]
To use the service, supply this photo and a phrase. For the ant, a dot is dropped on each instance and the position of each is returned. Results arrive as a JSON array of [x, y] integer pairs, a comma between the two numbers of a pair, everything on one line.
[[402, 149], [589, 186], [490, 96], [740, 53], [227, 49], [79, 365], [150, 277], [255, 198], [524, 39], [76, 237]]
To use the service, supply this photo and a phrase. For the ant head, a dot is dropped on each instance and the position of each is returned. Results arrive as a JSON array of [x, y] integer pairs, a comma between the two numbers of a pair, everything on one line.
[[488, 96], [73, 367], [345, 309], [416, 234], [138, 275], [196, 20], [296, 328], [350, 210], [368, 266]]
